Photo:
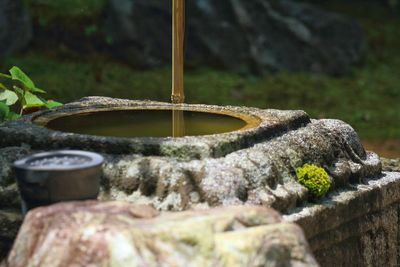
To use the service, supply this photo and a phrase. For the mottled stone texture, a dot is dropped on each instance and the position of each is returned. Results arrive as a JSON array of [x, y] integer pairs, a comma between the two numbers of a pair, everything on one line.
[[253, 166], [358, 226], [10, 207], [356, 223], [391, 165], [256, 36], [120, 234], [7, 156], [262, 174], [10, 221]]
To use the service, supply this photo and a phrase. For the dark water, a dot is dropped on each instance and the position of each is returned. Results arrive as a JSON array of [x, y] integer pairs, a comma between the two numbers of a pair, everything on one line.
[[147, 123]]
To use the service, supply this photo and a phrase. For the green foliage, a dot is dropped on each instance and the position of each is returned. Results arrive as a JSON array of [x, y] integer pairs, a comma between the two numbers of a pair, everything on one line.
[[50, 9], [314, 178], [10, 97], [18, 75], [91, 29], [4, 110], [6, 113], [21, 93], [366, 99]]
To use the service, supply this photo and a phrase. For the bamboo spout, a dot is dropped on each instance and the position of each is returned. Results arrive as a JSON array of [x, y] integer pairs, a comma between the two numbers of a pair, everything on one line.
[[178, 33]]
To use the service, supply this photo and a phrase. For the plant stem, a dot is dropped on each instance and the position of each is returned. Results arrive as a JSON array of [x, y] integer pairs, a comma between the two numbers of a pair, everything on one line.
[[5, 76]]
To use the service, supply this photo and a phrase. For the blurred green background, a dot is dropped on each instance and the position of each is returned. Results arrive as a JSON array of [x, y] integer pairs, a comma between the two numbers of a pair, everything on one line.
[[368, 98]]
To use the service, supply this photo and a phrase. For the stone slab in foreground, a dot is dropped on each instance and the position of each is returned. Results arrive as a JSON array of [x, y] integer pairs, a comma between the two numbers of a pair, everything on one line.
[[120, 234]]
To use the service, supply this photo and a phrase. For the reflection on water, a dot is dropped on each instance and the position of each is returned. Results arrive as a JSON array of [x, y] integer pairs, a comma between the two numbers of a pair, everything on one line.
[[178, 123]]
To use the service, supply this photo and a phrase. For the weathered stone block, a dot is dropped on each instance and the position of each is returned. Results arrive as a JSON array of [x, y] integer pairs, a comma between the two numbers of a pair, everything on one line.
[[358, 226], [121, 234], [10, 221]]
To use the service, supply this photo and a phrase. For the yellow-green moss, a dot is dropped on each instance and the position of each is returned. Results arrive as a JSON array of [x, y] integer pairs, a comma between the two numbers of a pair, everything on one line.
[[314, 178]]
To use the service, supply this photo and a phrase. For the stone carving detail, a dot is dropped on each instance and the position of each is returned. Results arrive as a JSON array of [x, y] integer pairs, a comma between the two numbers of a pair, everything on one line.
[[262, 174]]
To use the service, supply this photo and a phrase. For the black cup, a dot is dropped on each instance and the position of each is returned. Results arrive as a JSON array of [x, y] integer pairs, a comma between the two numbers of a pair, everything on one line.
[[51, 177]]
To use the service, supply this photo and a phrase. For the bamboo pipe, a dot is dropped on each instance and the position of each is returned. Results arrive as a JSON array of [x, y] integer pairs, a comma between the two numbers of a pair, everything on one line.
[[178, 36]]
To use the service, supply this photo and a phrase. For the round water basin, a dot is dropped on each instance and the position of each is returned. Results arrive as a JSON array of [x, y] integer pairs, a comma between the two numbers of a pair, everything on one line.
[[150, 123]]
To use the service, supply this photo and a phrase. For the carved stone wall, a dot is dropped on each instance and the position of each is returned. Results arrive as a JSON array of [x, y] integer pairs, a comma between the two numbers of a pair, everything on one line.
[[357, 226]]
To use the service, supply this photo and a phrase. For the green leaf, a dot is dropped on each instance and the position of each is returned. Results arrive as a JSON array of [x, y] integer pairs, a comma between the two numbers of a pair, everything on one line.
[[9, 96], [18, 90], [4, 110], [53, 104], [38, 90], [31, 100], [18, 75]]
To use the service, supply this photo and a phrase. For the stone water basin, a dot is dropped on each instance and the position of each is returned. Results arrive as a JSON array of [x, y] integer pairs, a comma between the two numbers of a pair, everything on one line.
[[253, 164]]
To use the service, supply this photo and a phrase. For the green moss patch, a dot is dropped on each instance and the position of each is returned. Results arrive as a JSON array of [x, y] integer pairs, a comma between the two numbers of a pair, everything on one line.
[[314, 178], [66, 8]]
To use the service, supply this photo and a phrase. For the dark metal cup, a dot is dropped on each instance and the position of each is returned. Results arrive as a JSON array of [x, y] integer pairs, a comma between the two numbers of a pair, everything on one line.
[[51, 177]]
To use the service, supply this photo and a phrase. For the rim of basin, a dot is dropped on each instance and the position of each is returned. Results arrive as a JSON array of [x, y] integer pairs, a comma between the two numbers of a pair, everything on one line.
[[251, 121]]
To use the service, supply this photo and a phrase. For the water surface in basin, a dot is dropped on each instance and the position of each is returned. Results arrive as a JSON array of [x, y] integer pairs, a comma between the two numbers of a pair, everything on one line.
[[147, 123]]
